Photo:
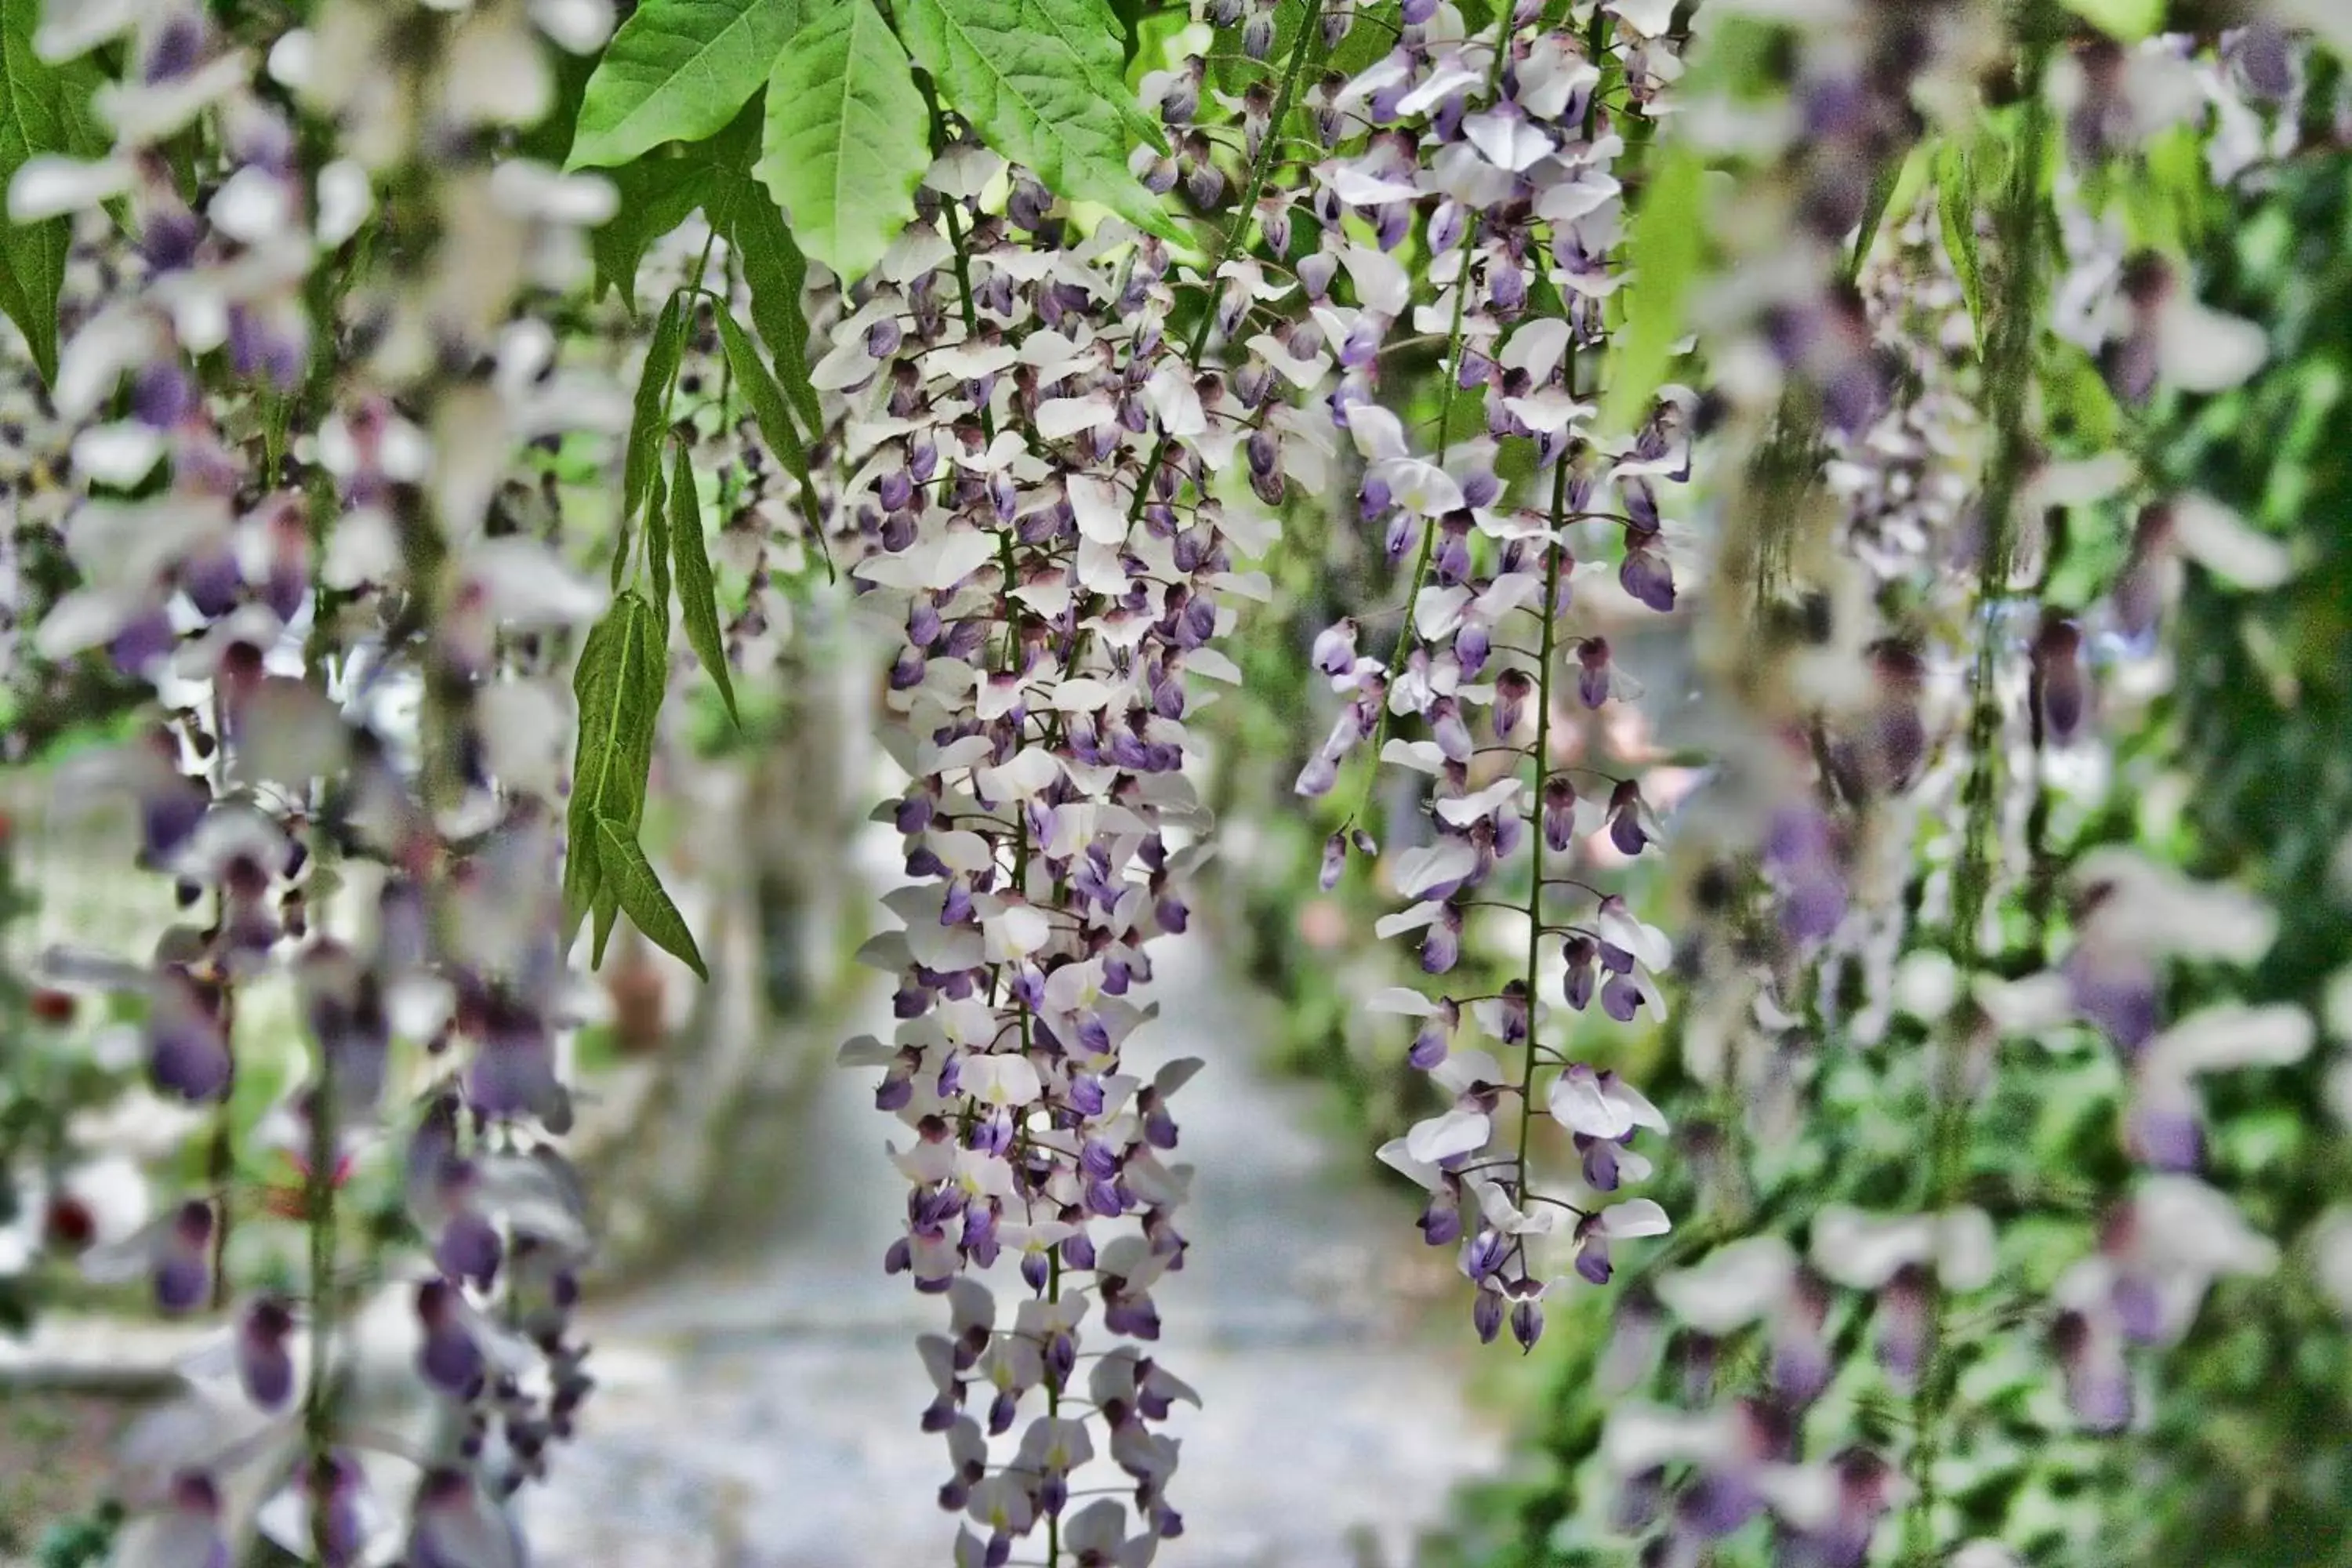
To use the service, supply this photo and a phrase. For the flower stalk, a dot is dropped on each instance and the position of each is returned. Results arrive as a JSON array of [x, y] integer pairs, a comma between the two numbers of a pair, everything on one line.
[[2009, 372]]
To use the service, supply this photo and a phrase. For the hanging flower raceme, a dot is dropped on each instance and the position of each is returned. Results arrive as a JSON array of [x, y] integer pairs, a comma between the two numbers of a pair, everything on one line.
[[1947, 520], [291, 552], [1498, 151], [1034, 482]]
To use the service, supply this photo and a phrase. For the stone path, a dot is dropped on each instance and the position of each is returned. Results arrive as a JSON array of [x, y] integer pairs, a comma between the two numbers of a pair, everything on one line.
[[760, 1411]]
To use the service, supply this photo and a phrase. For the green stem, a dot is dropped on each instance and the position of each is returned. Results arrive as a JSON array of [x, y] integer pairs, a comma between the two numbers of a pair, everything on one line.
[[963, 297], [1452, 366], [1053, 1386], [2009, 372], [319, 1211], [1311, 32], [1543, 772], [1546, 656]]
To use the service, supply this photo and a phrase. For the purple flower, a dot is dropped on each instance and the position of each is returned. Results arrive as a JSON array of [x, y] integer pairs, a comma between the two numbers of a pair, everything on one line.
[[1646, 575], [264, 1365], [183, 1259]]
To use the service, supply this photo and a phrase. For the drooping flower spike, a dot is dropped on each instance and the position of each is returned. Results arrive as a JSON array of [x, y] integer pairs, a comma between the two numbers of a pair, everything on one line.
[[1499, 150]]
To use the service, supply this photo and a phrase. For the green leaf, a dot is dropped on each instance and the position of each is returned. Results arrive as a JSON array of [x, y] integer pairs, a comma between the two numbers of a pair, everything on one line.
[[663, 350], [630, 875], [676, 72], [608, 910], [767, 400], [1956, 205], [847, 138], [1896, 186], [1665, 249], [1029, 75], [774, 270], [657, 550], [766, 397], [1094, 32], [44, 109], [698, 591], [657, 194], [618, 684], [2125, 21]]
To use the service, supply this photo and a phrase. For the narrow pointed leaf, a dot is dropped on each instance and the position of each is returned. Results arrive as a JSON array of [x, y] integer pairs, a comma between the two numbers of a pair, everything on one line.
[[618, 686], [775, 271], [848, 136], [676, 72], [765, 396], [608, 910], [640, 895], [775, 419], [698, 591], [1893, 173], [1956, 205], [1028, 75], [44, 108], [663, 350], [657, 549], [1668, 245]]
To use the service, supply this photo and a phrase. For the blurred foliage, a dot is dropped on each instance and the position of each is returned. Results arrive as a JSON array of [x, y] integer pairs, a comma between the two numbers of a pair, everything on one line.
[[2250, 1457], [2243, 1453]]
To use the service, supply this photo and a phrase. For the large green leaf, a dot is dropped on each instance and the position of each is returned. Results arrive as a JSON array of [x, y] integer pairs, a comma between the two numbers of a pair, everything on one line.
[[1030, 75], [44, 108], [775, 272], [618, 686], [651, 417], [848, 136], [1093, 33], [698, 591], [632, 878], [678, 71]]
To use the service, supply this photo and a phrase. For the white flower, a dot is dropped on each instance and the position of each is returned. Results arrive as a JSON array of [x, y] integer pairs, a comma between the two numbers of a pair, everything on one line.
[[1439, 864], [1651, 18], [49, 185], [1005, 1080], [1732, 1285], [1634, 1217], [2216, 1039], [1598, 1105], [1863, 1251], [1459, 1131]]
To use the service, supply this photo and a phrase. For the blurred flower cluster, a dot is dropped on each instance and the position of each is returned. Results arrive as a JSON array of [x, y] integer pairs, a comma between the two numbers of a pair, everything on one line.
[[292, 527]]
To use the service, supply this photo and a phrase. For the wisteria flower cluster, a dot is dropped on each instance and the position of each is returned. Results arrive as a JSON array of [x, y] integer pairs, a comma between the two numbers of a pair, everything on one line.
[[1945, 715], [1041, 363], [1499, 153], [1033, 478], [291, 532]]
